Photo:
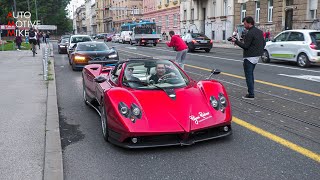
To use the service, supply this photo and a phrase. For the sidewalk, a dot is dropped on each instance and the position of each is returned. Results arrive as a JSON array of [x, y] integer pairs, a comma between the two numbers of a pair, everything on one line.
[[29, 131]]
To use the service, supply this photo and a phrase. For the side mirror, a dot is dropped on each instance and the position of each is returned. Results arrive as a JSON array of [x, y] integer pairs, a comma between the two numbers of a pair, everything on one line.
[[74, 46], [130, 34], [216, 71], [273, 40], [99, 79]]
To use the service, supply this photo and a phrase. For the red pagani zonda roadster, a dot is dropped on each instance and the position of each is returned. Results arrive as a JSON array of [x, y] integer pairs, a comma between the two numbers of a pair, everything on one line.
[[151, 103]]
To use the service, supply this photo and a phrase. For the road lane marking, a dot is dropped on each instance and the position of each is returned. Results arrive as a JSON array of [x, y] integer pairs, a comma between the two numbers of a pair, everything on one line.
[[305, 152], [236, 60], [277, 139], [261, 82], [302, 76]]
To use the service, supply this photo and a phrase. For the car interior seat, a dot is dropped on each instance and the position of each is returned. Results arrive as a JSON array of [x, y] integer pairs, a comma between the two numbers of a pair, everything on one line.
[[152, 72]]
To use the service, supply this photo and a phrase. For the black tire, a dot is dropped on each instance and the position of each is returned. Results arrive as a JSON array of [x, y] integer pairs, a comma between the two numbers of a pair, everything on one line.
[[265, 57], [303, 60], [154, 44], [104, 122], [69, 60], [207, 50], [85, 95], [131, 43], [73, 67], [190, 49], [59, 50]]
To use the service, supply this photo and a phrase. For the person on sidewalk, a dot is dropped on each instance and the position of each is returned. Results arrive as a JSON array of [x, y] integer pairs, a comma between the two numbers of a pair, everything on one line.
[[47, 37], [38, 39], [33, 39], [180, 46], [18, 40], [252, 51]]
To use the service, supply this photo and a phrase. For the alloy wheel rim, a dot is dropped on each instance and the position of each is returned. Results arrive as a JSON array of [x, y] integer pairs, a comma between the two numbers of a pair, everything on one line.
[[264, 56], [302, 60]]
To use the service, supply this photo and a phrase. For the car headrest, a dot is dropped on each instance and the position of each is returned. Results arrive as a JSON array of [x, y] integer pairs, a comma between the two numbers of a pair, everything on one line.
[[153, 70]]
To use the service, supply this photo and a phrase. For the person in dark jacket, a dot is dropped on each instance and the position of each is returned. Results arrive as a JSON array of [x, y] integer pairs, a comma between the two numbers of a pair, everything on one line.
[[18, 41], [253, 47]]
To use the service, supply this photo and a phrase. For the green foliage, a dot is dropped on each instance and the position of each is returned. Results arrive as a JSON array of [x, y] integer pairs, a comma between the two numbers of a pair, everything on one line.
[[11, 46], [50, 12]]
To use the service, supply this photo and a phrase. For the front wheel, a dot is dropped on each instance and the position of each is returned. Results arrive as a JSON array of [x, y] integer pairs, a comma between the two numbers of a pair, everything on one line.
[[303, 60], [207, 50], [154, 44], [265, 57], [104, 122]]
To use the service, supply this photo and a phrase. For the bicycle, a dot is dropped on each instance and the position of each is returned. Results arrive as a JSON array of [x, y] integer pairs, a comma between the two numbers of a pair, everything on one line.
[[33, 47]]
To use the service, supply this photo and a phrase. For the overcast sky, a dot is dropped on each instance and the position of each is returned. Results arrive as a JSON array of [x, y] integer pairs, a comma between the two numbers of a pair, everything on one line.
[[73, 6]]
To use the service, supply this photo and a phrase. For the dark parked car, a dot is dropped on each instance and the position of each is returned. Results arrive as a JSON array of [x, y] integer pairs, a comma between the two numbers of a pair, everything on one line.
[[63, 45], [197, 41], [64, 37]]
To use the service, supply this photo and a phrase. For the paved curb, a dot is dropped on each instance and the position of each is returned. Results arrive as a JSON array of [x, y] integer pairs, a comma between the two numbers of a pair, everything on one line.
[[53, 164]]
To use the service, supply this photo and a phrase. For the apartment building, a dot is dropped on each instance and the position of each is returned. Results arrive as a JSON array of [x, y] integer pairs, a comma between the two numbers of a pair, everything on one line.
[[80, 16], [215, 18], [166, 14], [99, 15], [278, 15], [124, 11]]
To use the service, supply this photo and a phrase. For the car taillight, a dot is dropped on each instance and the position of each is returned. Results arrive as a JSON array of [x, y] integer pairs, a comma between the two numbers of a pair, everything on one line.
[[313, 46], [194, 41], [211, 41]]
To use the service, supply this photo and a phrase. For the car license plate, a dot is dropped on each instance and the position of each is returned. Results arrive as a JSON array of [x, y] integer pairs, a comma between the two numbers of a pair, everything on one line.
[[203, 41], [150, 41]]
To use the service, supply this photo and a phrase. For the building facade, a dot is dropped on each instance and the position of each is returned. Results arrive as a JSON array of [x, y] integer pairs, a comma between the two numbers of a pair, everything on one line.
[[166, 14], [214, 18], [278, 15], [99, 16], [124, 11], [80, 16]]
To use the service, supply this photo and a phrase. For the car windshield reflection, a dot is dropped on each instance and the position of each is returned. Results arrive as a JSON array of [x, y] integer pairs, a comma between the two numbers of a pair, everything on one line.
[[153, 75]]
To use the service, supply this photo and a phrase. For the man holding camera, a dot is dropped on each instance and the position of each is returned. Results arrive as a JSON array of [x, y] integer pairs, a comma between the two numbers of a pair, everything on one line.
[[252, 51]]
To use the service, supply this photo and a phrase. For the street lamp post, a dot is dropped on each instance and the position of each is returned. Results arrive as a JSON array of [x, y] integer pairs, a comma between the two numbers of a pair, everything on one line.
[[35, 2]]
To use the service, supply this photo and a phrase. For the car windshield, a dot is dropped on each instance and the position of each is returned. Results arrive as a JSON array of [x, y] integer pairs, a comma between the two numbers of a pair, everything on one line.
[[198, 35], [158, 74], [92, 47], [65, 40], [80, 39]]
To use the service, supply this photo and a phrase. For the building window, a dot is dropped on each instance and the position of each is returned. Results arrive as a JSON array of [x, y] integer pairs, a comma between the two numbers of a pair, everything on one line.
[[257, 18], [214, 9], [168, 1], [185, 15], [167, 20], [224, 35], [192, 15], [270, 10], [313, 14], [160, 21], [313, 9], [243, 11], [175, 19], [225, 8]]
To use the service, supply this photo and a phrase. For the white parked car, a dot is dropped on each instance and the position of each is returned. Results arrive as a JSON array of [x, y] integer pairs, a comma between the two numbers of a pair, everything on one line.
[[115, 38], [74, 39], [301, 46], [125, 37]]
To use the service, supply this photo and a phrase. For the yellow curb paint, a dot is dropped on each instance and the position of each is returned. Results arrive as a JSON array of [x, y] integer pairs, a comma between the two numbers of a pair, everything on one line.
[[262, 82], [278, 139]]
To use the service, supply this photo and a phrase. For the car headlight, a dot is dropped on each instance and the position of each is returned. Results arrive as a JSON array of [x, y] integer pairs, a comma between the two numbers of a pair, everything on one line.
[[123, 109], [136, 111], [214, 103], [113, 56], [79, 58], [223, 100]]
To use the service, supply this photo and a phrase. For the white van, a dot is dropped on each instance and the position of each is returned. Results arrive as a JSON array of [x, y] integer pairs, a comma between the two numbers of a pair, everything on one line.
[[125, 37]]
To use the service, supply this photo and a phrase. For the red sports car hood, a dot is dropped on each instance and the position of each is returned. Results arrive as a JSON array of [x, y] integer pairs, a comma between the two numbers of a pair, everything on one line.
[[191, 110]]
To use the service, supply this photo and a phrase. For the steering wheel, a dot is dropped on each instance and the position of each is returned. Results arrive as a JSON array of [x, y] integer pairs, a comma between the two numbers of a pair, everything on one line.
[[167, 77]]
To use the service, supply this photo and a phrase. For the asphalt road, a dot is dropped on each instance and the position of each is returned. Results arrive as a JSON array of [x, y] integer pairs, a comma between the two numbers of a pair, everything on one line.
[[285, 107]]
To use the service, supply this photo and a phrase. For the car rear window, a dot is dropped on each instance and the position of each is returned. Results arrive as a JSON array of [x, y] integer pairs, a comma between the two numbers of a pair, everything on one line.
[[92, 47], [80, 39], [315, 37], [198, 35]]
